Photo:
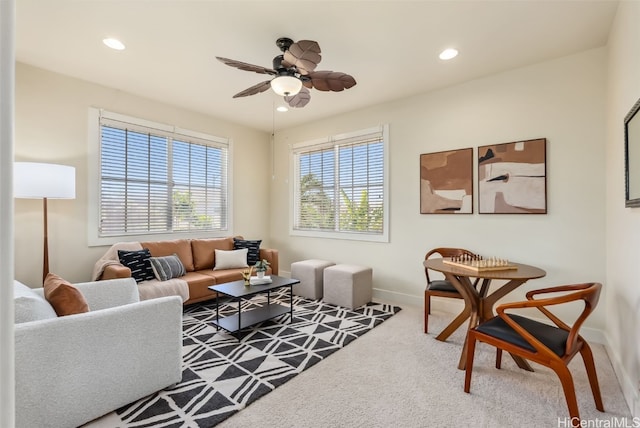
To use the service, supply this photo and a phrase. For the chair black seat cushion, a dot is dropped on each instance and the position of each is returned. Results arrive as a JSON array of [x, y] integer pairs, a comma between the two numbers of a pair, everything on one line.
[[442, 285], [552, 337]]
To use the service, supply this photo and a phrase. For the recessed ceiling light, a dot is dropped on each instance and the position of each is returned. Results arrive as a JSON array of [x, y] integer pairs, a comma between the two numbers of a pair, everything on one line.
[[448, 54], [282, 109], [113, 44]]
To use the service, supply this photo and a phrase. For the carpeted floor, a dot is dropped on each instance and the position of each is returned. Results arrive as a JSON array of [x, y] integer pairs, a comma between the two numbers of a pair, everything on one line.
[[396, 376], [222, 375]]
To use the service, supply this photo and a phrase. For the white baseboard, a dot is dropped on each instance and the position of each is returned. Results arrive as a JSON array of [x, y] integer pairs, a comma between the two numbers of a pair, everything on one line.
[[630, 391], [397, 298]]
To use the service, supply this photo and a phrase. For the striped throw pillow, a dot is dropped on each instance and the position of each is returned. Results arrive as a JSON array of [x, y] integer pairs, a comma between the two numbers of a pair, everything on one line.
[[167, 267]]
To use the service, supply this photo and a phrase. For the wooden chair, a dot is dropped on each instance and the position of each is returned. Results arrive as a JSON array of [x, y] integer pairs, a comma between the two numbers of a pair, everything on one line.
[[551, 346], [443, 288]]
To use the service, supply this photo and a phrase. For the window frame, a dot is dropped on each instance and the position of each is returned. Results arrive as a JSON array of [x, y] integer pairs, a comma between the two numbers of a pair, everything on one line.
[[94, 180], [334, 141]]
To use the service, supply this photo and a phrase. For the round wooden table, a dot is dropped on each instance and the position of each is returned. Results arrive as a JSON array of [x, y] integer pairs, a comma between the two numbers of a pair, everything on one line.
[[479, 303]]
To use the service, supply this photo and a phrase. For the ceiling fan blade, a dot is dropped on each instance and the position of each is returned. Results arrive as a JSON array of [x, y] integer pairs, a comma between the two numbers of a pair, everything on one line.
[[247, 67], [300, 99], [304, 55], [335, 81], [255, 89]]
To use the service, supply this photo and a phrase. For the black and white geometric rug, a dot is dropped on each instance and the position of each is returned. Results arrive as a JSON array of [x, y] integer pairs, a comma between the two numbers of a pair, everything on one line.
[[221, 375]]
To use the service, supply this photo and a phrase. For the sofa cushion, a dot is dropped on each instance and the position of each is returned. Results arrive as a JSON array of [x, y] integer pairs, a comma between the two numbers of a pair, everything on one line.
[[167, 267], [29, 306], [253, 255], [226, 275], [139, 261], [64, 297], [231, 259], [181, 247], [204, 251], [198, 283]]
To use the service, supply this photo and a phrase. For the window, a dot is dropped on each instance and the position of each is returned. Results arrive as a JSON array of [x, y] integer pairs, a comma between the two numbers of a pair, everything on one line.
[[340, 186], [157, 179]]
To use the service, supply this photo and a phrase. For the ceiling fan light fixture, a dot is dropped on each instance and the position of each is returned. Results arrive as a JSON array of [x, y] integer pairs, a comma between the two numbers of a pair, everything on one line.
[[286, 85], [294, 73]]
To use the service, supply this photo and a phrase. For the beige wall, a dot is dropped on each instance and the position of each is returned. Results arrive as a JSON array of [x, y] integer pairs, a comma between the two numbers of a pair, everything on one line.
[[623, 224], [51, 126], [561, 100]]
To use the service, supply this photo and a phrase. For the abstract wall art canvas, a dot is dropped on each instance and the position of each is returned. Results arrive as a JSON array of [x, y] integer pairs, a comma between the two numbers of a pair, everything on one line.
[[512, 178], [446, 182]]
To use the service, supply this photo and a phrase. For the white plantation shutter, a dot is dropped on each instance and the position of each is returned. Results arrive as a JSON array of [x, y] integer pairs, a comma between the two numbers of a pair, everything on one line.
[[316, 189], [154, 179], [340, 185]]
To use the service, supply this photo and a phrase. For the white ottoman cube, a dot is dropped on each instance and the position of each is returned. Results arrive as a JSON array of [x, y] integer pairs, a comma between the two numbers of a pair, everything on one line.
[[348, 285], [310, 274]]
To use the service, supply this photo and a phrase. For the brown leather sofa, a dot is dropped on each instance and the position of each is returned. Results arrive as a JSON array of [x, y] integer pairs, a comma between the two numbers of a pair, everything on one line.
[[198, 258]]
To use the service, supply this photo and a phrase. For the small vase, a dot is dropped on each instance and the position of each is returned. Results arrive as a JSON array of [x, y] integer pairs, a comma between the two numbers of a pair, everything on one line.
[[261, 274], [247, 278]]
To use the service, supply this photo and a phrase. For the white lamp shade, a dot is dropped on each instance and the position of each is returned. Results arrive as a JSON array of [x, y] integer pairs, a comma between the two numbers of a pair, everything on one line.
[[286, 85], [33, 180]]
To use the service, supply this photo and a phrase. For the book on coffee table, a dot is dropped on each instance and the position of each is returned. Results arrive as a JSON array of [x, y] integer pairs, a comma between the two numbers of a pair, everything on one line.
[[254, 280]]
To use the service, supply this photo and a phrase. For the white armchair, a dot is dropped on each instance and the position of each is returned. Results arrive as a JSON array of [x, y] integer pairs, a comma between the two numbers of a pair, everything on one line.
[[70, 370]]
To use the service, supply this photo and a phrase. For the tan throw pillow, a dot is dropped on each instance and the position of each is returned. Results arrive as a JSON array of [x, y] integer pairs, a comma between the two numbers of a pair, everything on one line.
[[64, 297], [203, 251]]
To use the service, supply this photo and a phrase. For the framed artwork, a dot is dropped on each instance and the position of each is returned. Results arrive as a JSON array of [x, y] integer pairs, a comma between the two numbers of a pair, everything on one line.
[[446, 182], [632, 157], [512, 178]]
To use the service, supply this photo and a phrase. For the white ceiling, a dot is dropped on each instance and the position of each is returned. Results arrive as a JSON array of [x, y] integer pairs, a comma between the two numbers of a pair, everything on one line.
[[390, 47]]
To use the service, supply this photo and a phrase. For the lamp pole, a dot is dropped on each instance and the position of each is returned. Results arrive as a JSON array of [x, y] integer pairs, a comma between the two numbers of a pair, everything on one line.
[[45, 257]]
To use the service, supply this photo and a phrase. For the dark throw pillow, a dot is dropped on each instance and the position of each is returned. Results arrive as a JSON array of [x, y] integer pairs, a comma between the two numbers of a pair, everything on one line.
[[253, 255], [139, 262], [167, 267]]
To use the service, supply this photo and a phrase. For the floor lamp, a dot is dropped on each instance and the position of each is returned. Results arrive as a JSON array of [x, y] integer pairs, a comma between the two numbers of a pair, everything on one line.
[[44, 181]]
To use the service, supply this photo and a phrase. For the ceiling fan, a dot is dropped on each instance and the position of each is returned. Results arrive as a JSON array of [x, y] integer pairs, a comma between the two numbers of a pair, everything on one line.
[[294, 73]]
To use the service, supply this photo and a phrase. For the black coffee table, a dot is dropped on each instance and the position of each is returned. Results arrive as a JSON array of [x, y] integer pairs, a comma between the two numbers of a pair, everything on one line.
[[238, 291]]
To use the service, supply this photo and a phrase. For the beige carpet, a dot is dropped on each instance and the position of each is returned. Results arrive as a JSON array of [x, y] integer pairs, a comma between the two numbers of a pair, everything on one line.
[[396, 376]]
